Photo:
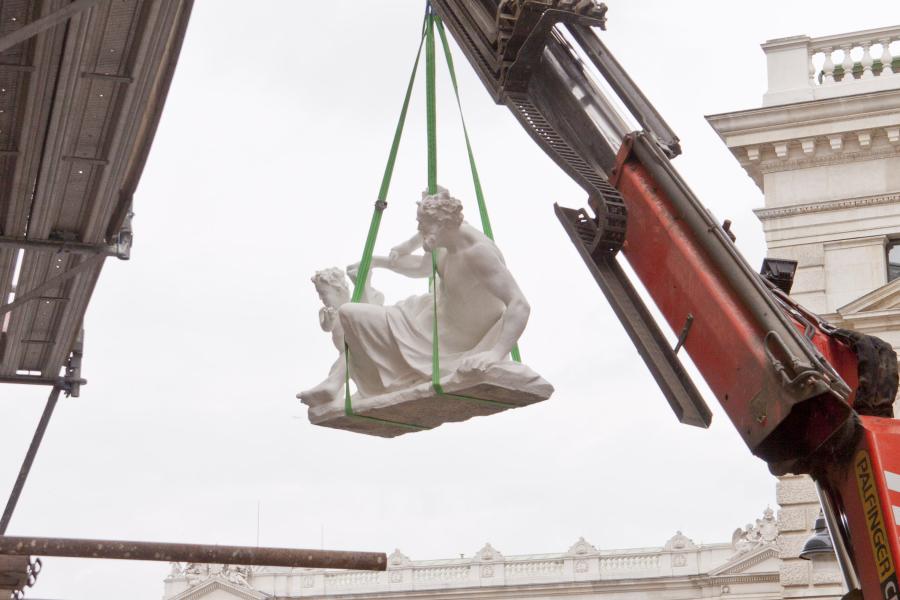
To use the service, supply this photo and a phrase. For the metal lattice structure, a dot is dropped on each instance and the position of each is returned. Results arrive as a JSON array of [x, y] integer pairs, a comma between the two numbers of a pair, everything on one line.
[[80, 99]]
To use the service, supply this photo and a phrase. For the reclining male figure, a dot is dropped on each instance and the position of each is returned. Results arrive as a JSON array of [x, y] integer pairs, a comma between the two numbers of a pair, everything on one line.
[[481, 311]]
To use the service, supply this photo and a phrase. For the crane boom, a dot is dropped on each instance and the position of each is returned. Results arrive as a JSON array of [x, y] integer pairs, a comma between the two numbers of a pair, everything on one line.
[[797, 390]]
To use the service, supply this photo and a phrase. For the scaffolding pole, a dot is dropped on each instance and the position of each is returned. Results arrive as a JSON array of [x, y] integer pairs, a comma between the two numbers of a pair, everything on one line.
[[193, 553], [29, 459]]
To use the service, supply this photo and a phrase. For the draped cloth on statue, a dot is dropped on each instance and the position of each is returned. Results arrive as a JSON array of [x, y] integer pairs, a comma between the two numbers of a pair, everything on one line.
[[391, 346]]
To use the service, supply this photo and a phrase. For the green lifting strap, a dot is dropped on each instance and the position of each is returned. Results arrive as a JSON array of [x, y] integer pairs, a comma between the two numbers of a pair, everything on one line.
[[476, 180], [430, 101], [431, 116], [365, 262]]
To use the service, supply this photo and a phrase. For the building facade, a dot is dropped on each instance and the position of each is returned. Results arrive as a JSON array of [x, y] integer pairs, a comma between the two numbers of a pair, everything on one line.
[[746, 567], [824, 149]]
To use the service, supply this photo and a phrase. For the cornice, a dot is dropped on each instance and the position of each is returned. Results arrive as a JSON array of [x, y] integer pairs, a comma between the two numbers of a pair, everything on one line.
[[802, 209], [863, 306], [758, 120], [732, 579], [737, 565], [816, 159]]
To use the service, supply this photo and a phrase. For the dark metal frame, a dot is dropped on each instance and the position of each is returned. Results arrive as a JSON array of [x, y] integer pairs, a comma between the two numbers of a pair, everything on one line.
[[670, 375], [32, 29]]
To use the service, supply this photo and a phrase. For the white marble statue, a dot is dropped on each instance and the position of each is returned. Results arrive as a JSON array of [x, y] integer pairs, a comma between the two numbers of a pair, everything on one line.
[[481, 313]]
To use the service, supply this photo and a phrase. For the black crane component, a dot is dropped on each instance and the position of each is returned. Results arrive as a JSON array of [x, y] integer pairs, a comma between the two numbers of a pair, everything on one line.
[[780, 272], [677, 386], [541, 72], [611, 219], [877, 372]]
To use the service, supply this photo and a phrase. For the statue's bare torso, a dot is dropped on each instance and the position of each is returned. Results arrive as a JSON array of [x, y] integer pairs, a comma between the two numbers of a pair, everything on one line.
[[468, 308]]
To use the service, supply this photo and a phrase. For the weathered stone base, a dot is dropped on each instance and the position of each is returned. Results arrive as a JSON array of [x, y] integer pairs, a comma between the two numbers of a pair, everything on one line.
[[503, 386]]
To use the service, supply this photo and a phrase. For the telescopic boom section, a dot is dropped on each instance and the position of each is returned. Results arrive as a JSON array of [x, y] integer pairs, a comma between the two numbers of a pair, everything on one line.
[[777, 386], [773, 382], [788, 381]]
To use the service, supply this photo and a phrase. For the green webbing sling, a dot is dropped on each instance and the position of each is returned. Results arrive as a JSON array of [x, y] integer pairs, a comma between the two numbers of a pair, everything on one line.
[[431, 116], [431, 20], [476, 180], [365, 262]]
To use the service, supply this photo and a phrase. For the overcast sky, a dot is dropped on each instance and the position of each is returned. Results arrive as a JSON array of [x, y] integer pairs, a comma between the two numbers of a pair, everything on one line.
[[264, 169]]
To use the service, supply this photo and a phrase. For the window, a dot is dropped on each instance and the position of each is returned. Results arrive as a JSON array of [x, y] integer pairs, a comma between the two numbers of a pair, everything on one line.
[[893, 260]]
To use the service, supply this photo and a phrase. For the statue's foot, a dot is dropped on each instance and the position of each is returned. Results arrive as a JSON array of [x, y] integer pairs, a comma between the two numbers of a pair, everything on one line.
[[319, 395]]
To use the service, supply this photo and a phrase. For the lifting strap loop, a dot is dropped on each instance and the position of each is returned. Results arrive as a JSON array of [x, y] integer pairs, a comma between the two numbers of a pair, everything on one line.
[[431, 112], [430, 101], [476, 180], [365, 262]]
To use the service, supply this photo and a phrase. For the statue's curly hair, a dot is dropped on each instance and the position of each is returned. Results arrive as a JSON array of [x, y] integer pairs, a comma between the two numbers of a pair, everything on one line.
[[332, 277], [441, 207]]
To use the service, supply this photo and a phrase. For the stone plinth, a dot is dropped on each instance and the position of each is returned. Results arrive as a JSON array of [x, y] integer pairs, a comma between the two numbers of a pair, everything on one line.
[[501, 387]]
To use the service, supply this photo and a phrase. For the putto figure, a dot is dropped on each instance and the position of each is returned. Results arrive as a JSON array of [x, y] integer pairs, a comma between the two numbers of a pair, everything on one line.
[[481, 313], [331, 285]]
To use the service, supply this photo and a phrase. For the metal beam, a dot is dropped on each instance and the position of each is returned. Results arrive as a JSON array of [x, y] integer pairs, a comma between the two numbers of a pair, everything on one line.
[[35, 27], [639, 324], [35, 292], [17, 68], [108, 77], [39, 380], [58, 246], [193, 553], [85, 159], [29, 459]]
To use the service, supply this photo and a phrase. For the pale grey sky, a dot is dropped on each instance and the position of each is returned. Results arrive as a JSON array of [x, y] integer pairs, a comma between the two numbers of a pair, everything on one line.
[[264, 169]]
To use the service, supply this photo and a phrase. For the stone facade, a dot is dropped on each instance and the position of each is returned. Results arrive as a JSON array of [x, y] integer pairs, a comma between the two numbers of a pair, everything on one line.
[[678, 570], [828, 164], [825, 152]]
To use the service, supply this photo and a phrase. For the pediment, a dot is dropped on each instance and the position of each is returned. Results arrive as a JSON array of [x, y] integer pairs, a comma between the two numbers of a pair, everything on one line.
[[887, 297], [763, 559], [218, 588]]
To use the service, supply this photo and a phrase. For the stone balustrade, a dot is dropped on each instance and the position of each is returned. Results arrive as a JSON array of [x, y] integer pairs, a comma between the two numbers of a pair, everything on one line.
[[679, 558], [849, 57], [802, 68], [494, 570]]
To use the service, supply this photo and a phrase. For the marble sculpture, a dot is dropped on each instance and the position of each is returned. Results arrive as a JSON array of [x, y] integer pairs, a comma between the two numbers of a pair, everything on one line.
[[481, 313]]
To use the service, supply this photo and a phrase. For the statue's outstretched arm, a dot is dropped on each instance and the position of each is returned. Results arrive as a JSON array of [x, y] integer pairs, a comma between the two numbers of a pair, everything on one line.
[[405, 248], [412, 265]]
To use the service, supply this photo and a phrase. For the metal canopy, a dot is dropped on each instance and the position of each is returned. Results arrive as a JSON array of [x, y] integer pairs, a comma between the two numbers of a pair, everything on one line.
[[82, 86]]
